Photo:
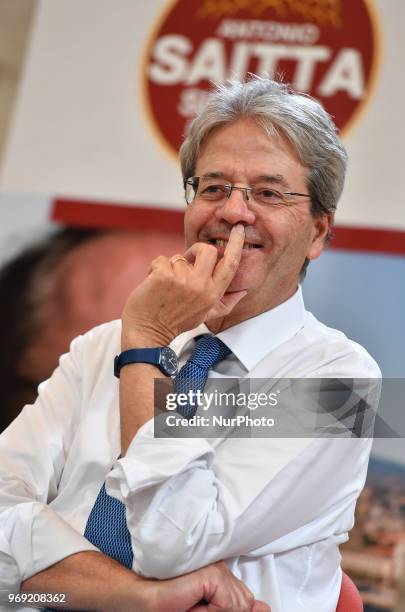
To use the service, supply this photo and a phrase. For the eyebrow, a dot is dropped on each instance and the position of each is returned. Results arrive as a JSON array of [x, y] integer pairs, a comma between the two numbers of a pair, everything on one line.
[[277, 179], [274, 179], [213, 175]]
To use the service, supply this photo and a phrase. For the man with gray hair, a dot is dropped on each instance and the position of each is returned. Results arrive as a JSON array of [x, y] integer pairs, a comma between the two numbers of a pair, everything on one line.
[[262, 170]]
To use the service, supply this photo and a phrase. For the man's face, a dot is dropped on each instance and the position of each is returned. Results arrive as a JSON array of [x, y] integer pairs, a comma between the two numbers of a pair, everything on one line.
[[283, 236]]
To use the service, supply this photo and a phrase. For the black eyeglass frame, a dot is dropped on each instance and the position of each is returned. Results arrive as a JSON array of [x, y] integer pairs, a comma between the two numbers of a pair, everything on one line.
[[193, 181]]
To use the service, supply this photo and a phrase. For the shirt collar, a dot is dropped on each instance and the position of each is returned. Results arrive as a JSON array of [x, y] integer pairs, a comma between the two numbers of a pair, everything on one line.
[[251, 340]]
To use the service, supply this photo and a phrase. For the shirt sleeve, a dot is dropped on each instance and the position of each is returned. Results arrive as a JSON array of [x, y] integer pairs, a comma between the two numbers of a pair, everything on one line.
[[190, 503], [33, 451]]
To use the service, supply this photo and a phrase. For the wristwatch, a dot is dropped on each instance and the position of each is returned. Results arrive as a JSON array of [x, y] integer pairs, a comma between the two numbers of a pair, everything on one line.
[[162, 357]]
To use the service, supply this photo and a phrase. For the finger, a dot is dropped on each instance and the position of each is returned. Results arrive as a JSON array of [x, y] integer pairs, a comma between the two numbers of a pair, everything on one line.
[[226, 268], [180, 265], [180, 259], [185, 593], [261, 606], [161, 263], [242, 597], [203, 258]]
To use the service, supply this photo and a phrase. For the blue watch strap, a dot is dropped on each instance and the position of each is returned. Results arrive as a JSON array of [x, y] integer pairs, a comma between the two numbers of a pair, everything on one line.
[[141, 355]]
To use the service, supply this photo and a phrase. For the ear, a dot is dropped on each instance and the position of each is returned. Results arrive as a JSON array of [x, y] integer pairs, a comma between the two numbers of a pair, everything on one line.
[[322, 225]]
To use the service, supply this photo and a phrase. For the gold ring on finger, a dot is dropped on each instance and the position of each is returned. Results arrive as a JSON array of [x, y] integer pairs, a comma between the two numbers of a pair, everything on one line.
[[178, 258]]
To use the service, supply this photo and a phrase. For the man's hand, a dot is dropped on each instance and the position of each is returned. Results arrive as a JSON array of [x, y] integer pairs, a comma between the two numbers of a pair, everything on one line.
[[178, 296], [214, 584]]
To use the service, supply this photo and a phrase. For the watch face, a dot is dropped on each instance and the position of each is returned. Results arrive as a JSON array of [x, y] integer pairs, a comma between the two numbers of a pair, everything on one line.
[[168, 360]]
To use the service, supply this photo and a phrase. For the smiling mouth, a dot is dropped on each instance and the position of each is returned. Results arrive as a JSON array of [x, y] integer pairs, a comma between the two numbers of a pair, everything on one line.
[[219, 242]]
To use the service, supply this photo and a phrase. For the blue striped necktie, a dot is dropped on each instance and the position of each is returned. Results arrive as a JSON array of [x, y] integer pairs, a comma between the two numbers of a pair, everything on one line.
[[107, 528]]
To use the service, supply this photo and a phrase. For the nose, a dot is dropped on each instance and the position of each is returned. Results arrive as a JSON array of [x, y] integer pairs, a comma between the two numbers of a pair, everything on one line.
[[235, 209]]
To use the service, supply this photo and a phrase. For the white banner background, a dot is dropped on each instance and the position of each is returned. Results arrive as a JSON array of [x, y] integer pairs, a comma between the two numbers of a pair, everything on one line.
[[80, 128]]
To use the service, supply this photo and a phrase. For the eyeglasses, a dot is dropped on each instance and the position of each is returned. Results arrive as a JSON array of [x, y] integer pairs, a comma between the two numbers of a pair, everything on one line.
[[213, 190]]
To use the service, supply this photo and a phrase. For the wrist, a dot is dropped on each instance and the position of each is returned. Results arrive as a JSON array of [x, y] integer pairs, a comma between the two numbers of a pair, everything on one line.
[[127, 595], [135, 335]]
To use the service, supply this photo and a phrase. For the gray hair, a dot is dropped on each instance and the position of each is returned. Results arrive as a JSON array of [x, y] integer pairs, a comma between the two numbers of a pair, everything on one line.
[[278, 109]]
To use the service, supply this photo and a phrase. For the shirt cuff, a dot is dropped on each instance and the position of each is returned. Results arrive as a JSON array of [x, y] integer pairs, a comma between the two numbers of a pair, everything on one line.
[[150, 461], [38, 538]]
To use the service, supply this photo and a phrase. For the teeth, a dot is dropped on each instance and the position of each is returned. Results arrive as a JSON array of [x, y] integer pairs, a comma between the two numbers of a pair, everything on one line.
[[223, 243]]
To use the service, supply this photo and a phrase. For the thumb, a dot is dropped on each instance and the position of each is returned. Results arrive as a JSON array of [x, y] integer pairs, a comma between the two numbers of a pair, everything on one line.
[[231, 299], [225, 305]]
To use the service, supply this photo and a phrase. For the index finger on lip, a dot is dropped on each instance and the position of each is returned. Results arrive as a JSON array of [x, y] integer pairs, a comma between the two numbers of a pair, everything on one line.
[[226, 268]]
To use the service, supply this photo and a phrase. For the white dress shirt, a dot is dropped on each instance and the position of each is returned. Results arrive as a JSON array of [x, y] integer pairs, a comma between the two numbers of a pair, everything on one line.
[[275, 509]]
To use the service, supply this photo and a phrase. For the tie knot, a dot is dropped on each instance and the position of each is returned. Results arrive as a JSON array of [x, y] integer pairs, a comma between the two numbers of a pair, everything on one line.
[[208, 351]]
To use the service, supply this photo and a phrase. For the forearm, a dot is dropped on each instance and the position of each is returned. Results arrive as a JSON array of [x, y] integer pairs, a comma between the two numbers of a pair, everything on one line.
[[91, 581], [95, 582], [136, 400]]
